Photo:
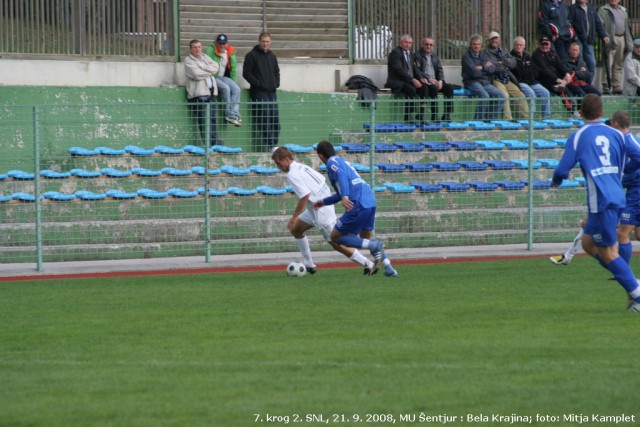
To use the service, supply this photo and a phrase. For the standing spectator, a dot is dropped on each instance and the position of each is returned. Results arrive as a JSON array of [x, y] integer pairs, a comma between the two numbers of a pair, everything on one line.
[[527, 75], [553, 22], [601, 152], [503, 78], [262, 72], [431, 74], [401, 79], [225, 55], [477, 72], [587, 23], [199, 70], [310, 186], [355, 227], [553, 73], [632, 71], [616, 24], [579, 73]]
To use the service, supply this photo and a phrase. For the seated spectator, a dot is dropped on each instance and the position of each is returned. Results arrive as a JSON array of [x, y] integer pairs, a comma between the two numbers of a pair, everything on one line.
[[477, 72], [504, 79], [527, 75], [553, 72], [587, 23], [579, 75], [400, 77], [429, 71], [631, 71], [229, 91]]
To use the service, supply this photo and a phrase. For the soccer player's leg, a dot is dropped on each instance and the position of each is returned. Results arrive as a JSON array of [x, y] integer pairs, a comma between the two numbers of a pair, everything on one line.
[[326, 226], [566, 258], [301, 224]]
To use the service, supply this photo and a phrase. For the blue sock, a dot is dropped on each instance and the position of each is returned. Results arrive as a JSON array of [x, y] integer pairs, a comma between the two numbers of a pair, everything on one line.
[[623, 274], [597, 257], [350, 240], [625, 250]]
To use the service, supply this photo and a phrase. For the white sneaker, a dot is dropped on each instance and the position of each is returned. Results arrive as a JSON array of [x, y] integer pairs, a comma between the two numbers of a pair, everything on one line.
[[560, 260], [233, 121], [634, 306]]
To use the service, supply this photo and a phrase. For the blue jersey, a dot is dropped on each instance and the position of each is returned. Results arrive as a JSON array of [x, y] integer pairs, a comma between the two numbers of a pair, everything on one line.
[[346, 181], [631, 176], [600, 149]]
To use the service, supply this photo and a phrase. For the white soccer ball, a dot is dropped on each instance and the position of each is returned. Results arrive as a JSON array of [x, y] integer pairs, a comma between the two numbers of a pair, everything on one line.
[[296, 269]]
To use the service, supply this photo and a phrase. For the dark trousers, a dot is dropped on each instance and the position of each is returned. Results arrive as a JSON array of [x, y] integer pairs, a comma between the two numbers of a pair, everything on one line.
[[198, 106], [266, 118], [432, 93]]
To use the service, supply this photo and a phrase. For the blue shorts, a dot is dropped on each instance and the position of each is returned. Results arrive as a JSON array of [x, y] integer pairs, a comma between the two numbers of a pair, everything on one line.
[[631, 214], [354, 221], [603, 227]]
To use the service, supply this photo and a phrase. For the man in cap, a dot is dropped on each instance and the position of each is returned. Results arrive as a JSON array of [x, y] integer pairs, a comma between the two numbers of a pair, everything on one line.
[[504, 79], [632, 71], [553, 22], [229, 91]]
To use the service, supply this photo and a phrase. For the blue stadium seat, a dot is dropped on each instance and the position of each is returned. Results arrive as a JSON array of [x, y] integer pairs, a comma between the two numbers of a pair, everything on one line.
[[559, 124], [390, 167], [298, 148], [463, 91], [199, 170], [213, 192], [120, 195], [23, 197], [446, 166], [263, 170], [58, 196], [176, 172], [152, 194], [536, 125], [561, 142], [21, 175], [579, 122], [181, 194], [408, 147], [107, 151], [483, 186], [473, 166], [89, 195], [354, 147], [418, 167], [500, 164], [115, 173], [454, 186], [362, 168], [270, 191], [514, 144], [543, 144], [3, 176], [192, 149], [506, 124], [427, 187], [134, 150], [549, 163], [145, 172], [238, 191], [538, 184], [232, 170], [436, 146], [397, 187], [510, 185], [381, 147], [337, 148], [580, 180], [429, 127], [82, 173], [480, 125], [487, 144], [4, 199], [380, 188], [79, 151], [225, 149], [524, 164], [163, 149], [568, 183], [51, 174], [463, 145]]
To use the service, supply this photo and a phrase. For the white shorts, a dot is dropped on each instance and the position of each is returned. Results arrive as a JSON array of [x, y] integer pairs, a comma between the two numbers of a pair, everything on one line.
[[323, 219]]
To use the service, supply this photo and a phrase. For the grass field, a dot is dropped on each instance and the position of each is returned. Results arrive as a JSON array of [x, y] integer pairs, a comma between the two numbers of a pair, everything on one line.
[[512, 339]]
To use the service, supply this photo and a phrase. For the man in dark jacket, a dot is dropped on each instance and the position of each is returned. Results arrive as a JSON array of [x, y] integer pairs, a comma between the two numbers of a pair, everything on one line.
[[553, 22], [429, 71], [585, 20], [262, 72], [579, 75], [400, 77], [527, 75]]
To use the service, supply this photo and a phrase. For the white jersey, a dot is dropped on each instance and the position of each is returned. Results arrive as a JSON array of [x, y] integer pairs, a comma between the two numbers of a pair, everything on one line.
[[306, 180]]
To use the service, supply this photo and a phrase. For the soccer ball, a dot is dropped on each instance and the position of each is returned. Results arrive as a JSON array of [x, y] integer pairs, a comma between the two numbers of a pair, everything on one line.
[[296, 269]]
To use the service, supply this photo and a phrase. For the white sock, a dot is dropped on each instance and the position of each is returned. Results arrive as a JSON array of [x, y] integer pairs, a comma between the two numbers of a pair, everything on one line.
[[574, 246], [365, 243], [359, 258], [305, 250]]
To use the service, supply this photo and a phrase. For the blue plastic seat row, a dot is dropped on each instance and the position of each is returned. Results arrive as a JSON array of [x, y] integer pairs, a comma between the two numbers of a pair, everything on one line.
[[159, 149]]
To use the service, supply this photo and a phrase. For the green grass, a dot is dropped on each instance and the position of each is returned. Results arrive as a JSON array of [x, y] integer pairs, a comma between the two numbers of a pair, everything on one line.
[[512, 337]]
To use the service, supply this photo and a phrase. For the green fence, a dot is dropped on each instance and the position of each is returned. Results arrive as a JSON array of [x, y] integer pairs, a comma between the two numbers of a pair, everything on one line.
[[129, 180]]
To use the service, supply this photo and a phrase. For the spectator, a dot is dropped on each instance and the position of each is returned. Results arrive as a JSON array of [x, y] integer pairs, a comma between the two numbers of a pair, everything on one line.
[[602, 163], [401, 79], [553, 72], [477, 72], [616, 24], [310, 186], [504, 79], [553, 22], [587, 23], [225, 55], [527, 75], [262, 72], [429, 71], [632, 71], [579, 73], [201, 88], [355, 227]]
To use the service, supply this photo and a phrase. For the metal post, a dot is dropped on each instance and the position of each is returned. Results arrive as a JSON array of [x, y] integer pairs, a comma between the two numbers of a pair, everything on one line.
[[36, 186], [530, 178], [372, 148], [207, 202]]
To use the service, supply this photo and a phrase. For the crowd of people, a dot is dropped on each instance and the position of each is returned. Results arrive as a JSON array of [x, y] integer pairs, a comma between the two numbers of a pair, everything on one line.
[[563, 64]]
